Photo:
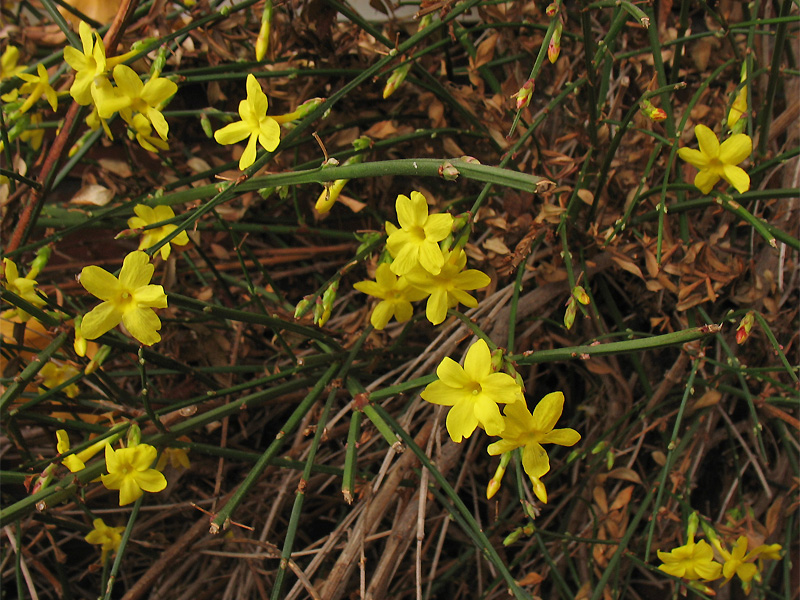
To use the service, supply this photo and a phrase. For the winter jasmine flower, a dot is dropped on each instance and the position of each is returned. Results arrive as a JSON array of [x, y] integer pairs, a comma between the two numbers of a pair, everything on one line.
[[692, 560], [10, 69], [474, 392], [89, 65], [395, 293], [255, 124], [24, 287], [529, 431], [76, 462], [54, 375], [714, 160], [129, 472], [417, 240], [37, 86], [109, 538], [133, 96], [449, 287], [145, 215], [129, 299], [178, 458]]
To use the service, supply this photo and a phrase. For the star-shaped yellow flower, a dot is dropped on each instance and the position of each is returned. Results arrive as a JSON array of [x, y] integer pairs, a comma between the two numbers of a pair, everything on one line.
[[146, 215], [529, 431], [24, 287], [88, 65], [255, 123], [691, 561], [109, 538], [9, 69], [37, 86], [714, 160], [132, 96], [129, 472], [417, 240], [474, 392], [449, 287], [129, 299], [395, 293]]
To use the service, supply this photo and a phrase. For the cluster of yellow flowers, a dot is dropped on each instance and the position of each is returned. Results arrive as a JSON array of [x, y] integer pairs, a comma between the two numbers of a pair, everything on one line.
[[138, 103], [698, 561], [420, 267]]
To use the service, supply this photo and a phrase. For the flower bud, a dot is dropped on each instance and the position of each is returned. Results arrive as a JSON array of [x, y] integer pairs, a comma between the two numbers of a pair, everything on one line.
[[580, 295], [262, 41], [554, 48], [134, 435], [99, 358], [448, 172], [205, 123], [396, 79], [569, 314], [512, 537], [302, 307], [743, 331], [524, 94], [328, 196], [159, 62], [649, 110], [551, 10], [40, 262]]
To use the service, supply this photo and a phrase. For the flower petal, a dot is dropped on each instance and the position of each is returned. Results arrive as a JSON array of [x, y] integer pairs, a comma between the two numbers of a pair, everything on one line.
[[97, 282], [269, 133], [478, 362], [705, 180], [143, 324], [438, 226], [249, 155], [256, 98], [548, 411], [430, 257], [381, 314], [436, 308], [232, 133], [461, 421], [405, 260], [99, 320], [707, 140], [150, 295], [735, 149], [137, 271], [535, 460], [411, 212], [440, 393], [451, 373], [562, 437], [151, 480], [488, 415], [471, 279], [737, 177], [129, 491], [501, 388], [694, 157]]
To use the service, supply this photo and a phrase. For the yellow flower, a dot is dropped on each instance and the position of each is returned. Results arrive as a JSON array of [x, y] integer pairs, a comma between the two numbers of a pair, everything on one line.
[[88, 65], [10, 69], [37, 86], [738, 108], [417, 240], [395, 293], [107, 537], [255, 123], [691, 561], [715, 161], [24, 287], [143, 132], [76, 462], [529, 431], [449, 287], [129, 472], [133, 96], [55, 374], [178, 458], [145, 216], [473, 391], [129, 299]]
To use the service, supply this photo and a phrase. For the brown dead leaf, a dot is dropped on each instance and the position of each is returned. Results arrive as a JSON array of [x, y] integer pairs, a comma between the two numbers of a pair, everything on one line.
[[496, 245], [531, 578], [92, 195], [626, 264], [623, 473], [485, 50], [623, 498], [600, 499]]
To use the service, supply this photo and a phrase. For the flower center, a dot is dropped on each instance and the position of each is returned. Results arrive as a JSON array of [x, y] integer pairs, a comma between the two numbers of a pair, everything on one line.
[[474, 388], [418, 233]]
